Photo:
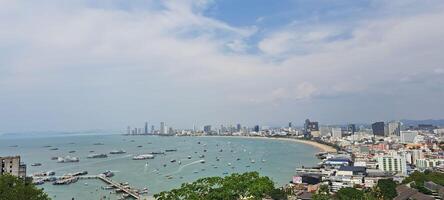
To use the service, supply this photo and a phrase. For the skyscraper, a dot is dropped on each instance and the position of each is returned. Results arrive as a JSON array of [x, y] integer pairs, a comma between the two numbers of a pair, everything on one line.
[[256, 128], [146, 128], [310, 127], [162, 128], [394, 128], [378, 129]]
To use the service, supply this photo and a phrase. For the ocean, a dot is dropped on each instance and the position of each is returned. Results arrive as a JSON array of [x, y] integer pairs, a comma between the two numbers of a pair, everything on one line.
[[273, 158]]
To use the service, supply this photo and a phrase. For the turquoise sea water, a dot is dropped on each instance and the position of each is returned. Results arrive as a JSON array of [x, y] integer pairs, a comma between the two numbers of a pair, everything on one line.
[[280, 160]]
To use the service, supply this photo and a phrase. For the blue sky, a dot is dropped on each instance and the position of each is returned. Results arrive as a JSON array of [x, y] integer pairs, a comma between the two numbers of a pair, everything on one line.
[[76, 65]]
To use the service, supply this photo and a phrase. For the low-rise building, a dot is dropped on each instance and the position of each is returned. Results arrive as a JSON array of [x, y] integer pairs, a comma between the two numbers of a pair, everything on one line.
[[12, 165]]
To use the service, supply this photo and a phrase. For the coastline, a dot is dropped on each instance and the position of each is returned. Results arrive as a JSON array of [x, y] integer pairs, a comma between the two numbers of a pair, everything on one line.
[[319, 146]]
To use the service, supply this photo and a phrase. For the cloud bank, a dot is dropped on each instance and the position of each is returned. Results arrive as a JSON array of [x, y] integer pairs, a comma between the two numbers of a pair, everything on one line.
[[81, 65]]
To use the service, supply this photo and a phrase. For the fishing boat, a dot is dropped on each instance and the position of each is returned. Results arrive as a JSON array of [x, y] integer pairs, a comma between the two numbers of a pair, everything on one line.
[[170, 150], [71, 151], [121, 151], [96, 155], [36, 164]]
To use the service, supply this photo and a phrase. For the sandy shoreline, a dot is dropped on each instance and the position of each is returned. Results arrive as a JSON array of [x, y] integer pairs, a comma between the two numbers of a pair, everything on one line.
[[321, 147]]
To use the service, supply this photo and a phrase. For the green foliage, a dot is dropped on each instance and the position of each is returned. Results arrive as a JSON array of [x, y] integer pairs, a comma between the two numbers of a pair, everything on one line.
[[248, 185], [13, 188], [278, 194], [419, 178], [322, 194], [349, 194], [386, 188]]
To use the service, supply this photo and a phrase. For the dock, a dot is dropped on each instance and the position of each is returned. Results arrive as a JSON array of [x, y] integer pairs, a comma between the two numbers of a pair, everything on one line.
[[119, 186]]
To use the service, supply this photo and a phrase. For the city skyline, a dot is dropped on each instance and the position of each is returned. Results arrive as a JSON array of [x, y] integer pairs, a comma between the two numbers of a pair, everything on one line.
[[83, 65]]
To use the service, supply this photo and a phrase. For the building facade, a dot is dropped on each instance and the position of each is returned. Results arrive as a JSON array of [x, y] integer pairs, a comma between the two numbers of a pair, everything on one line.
[[12, 165]]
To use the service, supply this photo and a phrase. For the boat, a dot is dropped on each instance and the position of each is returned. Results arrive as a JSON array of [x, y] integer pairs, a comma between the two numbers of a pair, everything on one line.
[[172, 160], [217, 158], [47, 146], [71, 151], [180, 162], [170, 150], [14, 145], [146, 164], [121, 151], [225, 173], [189, 157], [139, 146], [263, 160], [143, 157], [108, 173], [36, 164], [96, 155], [164, 165], [202, 161], [91, 151], [221, 150], [238, 159], [53, 149], [202, 156], [204, 150], [67, 159], [252, 161], [229, 164], [98, 143], [157, 152]]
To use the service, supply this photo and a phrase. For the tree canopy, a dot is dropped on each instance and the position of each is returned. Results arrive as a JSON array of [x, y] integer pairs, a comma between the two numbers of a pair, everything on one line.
[[236, 186], [13, 188], [349, 193]]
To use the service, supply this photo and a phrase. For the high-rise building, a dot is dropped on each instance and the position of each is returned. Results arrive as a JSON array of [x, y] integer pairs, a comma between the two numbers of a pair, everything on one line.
[[378, 129], [352, 129], [207, 128], [394, 128], [128, 130], [310, 127], [290, 125], [152, 129], [162, 128], [325, 131], [12, 165], [336, 132], [408, 136], [146, 128], [396, 164], [256, 128], [238, 127]]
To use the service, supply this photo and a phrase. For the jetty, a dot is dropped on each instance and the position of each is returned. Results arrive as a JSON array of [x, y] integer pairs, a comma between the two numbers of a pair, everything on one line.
[[123, 188]]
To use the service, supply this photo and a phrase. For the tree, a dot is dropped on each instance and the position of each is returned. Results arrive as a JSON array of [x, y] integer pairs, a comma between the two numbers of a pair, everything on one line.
[[13, 188], [387, 188], [236, 186], [350, 193], [278, 194], [323, 193]]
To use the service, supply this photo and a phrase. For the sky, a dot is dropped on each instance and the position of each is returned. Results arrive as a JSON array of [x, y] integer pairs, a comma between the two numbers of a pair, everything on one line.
[[83, 65]]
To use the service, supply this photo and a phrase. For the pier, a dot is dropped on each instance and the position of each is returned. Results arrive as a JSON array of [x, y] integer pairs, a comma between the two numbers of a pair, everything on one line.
[[119, 186]]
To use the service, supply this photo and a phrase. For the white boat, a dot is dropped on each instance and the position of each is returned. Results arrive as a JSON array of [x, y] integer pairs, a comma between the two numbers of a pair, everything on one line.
[[67, 159], [143, 157]]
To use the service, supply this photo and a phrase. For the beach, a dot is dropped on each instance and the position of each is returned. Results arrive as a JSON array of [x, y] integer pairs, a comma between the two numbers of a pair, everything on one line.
[[321, 147]]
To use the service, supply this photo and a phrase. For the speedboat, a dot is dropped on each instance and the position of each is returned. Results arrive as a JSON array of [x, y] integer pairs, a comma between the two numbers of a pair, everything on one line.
[[172, 160], [189, 157]]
